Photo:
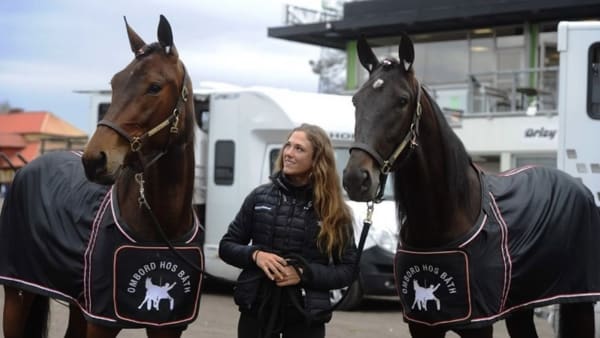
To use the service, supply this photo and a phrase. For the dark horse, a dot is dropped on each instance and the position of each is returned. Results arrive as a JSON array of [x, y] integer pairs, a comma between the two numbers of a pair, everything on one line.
[[474, 248], [122, 245]]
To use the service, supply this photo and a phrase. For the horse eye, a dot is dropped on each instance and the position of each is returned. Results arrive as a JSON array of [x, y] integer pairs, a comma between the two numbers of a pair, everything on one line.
[[154, 89], [403, 102]]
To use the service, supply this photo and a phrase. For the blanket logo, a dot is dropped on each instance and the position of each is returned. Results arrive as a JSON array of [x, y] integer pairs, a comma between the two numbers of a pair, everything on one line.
[[423, 281], [433, 286], [153, 285], [166, 276]]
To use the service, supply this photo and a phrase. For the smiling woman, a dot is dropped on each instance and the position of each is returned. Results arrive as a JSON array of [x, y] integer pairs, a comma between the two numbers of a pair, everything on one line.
[[293, 238]]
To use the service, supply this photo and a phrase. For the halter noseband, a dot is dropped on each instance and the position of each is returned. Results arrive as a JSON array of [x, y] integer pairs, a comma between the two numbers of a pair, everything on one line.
[[385, 166], [136, 142]]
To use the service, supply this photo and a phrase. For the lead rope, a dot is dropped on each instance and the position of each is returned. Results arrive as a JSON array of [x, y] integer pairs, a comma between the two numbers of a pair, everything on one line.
[[273, 298], [367, 222], [139, 178]]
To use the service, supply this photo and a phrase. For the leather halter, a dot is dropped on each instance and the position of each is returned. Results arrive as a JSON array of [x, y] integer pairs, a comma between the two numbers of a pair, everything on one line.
[[136, 142], [410, 139]]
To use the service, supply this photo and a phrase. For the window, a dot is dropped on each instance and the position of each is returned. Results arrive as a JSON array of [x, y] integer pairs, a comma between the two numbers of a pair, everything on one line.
[[482, 54], [201, 111], [102, 109], [544, 161], [224, 162], [273, 158], [593, 87]]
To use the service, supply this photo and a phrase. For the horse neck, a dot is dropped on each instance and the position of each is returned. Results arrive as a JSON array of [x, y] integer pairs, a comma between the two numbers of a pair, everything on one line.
[[168, 188], [438, 207]]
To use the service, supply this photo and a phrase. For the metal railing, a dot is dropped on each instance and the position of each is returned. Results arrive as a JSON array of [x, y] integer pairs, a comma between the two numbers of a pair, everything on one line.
[[295, 15], [528, 91]]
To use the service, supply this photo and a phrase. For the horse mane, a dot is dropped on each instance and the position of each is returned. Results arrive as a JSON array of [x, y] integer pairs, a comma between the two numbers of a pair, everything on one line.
[[455, 159]]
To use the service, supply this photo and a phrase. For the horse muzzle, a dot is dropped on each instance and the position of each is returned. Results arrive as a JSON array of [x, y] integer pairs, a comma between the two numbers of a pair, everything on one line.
[[360, 184], [96, 168]]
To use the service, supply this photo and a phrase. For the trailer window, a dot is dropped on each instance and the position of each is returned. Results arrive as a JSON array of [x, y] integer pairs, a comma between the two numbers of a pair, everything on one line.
[[593, 94], [102, 109], [273, 158], [224, 162]]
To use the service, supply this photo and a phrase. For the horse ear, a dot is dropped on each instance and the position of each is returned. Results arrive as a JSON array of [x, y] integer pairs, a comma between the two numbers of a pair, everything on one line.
[[165, 35], [135, 41], [365, 54], [406, 51]]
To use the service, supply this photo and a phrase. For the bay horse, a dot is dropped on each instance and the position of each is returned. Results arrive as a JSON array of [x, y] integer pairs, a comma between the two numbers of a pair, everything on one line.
[[474, 248], [112, 231]]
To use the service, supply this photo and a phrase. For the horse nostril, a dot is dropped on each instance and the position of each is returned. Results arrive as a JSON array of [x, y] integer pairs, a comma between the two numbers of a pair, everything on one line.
[[356, 180], [366, 180], [94, 166]]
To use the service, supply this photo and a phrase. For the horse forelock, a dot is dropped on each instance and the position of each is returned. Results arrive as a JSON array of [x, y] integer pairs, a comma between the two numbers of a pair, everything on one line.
[[147, 50]]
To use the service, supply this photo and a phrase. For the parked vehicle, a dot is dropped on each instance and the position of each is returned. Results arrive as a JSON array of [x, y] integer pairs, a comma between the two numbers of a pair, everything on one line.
[[579, 110]]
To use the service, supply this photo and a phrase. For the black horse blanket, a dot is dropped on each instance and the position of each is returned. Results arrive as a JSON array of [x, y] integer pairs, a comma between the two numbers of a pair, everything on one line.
[[62, 236], [535, 243]]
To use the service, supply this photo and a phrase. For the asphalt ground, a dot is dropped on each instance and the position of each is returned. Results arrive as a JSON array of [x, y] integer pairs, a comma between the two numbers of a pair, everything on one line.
[[218, 319]]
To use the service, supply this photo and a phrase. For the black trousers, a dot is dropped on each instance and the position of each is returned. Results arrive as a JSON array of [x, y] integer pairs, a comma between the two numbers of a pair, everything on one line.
[[293, 325]]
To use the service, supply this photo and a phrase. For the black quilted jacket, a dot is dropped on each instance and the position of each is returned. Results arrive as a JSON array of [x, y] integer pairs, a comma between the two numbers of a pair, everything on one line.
[[278, 217]]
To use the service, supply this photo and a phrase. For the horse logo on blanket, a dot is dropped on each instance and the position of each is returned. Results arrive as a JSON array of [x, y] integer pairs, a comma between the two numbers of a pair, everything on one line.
[[423, 295], [156, 293]]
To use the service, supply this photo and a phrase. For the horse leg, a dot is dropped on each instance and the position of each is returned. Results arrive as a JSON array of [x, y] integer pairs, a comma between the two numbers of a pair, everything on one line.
[[16, 310], [164, 332], [25, 314], [576, 320], [77, 324], [424, 331], [520, 324], [483, 332], [98, 331]]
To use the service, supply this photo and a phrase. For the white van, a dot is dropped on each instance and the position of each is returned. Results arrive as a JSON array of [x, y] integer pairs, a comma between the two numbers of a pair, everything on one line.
[[579, 111]]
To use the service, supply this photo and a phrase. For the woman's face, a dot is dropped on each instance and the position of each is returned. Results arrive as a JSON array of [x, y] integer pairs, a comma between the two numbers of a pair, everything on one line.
[[297, 158]]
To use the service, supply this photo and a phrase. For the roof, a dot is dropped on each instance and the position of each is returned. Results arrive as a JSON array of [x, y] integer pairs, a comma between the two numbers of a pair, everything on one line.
[[20, 157], [11, 140], [384, 18], [334, 113], [40, 122]]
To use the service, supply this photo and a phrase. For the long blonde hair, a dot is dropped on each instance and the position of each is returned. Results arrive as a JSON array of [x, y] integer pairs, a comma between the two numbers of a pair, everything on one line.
[[335, 215]]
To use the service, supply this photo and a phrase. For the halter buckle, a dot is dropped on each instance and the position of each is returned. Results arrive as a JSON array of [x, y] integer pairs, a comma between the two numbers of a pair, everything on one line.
[[370, 207], [136, 144], [174, 129], [184, 93], [386, 167]]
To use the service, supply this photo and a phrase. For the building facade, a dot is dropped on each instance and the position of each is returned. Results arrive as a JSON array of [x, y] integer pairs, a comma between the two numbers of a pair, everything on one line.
[[492, 65]]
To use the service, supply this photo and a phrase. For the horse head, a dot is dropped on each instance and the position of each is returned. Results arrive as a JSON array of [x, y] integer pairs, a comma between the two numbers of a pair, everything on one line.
[[144, 120], [387, 116]]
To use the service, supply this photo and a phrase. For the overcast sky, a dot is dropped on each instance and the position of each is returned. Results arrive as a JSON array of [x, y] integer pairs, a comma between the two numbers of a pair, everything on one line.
[[48, 49]]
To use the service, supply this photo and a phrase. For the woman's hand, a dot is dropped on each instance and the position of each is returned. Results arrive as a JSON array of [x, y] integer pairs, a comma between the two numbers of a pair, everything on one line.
[[274, 266], [291, 277]]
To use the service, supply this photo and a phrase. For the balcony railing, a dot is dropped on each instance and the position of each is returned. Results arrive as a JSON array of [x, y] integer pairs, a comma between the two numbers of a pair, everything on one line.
[[295, 15], [530, 91], [508, 93]]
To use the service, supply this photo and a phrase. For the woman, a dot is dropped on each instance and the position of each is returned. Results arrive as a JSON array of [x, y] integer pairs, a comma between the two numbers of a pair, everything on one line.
[[302, 244]]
